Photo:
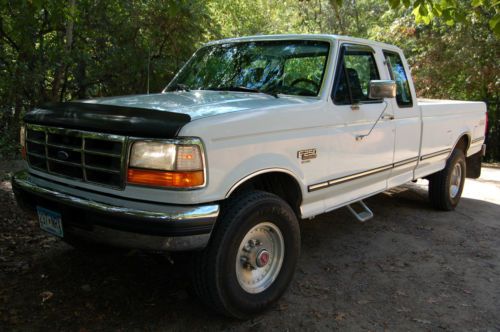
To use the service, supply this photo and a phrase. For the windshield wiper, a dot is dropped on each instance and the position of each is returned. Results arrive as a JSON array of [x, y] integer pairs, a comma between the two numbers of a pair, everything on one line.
[[243, 89], [179, 87]]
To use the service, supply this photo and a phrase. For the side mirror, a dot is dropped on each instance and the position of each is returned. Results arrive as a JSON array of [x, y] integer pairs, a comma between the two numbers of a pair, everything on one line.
[[380, 89]]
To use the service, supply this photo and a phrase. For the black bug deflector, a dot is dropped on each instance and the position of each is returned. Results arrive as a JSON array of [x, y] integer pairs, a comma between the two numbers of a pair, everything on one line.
[[120, 120]]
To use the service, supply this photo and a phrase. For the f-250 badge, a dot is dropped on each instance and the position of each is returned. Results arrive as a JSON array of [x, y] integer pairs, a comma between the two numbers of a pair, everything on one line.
[[306, 155]]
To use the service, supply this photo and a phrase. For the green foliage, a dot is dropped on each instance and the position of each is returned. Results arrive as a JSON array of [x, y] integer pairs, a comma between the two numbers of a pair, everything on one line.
[[62, 50], [452, 11], [9, 144]]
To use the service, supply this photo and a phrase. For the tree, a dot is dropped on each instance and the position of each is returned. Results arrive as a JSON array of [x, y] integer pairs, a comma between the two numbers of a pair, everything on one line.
[[452, 11], [62, 50]]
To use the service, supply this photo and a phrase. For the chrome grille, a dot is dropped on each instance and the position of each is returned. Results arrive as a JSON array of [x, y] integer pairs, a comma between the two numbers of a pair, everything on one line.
[[80, 155]]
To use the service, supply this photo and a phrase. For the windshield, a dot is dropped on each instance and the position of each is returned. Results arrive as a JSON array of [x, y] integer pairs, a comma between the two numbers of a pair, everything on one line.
[[286, 67]]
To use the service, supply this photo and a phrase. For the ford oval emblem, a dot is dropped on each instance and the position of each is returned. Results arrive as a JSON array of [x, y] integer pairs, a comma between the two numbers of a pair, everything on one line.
[[62, 155]]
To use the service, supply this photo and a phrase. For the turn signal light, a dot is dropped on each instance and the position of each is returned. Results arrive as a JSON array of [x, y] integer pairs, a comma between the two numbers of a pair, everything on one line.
[[165, 178]]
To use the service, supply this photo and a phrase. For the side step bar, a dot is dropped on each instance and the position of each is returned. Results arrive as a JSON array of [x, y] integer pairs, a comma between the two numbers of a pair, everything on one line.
[[363, 215]]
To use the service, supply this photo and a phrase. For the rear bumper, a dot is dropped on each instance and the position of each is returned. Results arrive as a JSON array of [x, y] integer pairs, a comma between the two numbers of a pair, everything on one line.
[[153, 226]]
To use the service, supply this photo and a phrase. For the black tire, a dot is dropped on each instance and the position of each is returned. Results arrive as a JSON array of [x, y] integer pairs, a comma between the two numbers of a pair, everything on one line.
[[215, 278], [441, 195]]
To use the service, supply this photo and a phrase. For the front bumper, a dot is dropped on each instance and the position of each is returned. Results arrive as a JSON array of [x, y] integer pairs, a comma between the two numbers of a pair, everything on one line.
[[117, 221]]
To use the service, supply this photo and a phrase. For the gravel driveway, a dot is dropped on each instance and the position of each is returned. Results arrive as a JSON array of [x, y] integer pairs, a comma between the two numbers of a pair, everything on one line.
[[409, 268]]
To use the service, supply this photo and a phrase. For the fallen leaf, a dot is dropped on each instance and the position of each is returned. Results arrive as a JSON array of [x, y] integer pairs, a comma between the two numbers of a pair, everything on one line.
[[47, 295], [340, 316], [282, 306]]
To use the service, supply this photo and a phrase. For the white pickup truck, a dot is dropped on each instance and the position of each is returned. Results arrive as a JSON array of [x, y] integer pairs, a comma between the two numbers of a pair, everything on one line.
[[251, 135]]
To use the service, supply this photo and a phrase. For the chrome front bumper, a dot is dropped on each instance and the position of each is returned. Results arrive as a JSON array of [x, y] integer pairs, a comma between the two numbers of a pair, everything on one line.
[[160, 227]]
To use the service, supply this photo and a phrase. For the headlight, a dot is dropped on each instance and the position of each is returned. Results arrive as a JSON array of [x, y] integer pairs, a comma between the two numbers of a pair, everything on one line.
[[153, 155], [176, 164]]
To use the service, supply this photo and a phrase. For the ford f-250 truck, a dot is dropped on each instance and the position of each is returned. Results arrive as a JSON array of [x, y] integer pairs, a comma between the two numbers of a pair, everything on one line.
[[251, 135]]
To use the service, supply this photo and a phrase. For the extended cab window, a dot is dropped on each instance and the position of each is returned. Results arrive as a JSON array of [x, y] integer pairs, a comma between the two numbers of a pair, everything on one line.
[[356, 69], [398, 74]]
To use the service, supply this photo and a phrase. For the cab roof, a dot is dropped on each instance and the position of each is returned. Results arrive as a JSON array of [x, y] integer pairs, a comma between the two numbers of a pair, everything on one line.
[[320, 37]]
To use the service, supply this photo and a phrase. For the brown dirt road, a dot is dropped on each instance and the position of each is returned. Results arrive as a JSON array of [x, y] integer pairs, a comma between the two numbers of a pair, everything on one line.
[[410, 268]]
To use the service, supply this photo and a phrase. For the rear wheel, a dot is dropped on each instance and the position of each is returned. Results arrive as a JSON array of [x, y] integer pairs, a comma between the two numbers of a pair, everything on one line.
[[445, 187], [251, 257]]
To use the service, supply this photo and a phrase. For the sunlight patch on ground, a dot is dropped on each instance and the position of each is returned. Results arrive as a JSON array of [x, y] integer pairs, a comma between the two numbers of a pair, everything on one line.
[[486, 188]]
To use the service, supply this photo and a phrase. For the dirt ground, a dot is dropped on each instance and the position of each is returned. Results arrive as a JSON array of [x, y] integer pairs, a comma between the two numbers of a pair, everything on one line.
[[409, 268]]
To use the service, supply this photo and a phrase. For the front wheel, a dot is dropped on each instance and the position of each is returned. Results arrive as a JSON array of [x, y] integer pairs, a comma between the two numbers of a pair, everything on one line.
[[445, 187], [251, 257]]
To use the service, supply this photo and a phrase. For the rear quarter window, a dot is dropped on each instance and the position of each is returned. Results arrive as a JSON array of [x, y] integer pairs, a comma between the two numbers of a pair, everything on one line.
[[398, 74]]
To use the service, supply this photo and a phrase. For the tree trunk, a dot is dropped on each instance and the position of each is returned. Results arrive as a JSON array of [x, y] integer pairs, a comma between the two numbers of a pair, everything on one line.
[[336, 10], [60, 76]]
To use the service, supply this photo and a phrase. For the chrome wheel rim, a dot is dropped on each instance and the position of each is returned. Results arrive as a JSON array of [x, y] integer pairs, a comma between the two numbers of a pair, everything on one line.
[[260, 257], [456, 180]]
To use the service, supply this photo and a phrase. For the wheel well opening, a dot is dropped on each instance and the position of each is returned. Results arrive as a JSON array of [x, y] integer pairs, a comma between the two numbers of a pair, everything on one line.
[[278, 183], [463, 144]]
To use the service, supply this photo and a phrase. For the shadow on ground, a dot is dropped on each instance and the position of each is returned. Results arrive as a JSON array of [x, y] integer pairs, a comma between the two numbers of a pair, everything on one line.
[[409, 268]]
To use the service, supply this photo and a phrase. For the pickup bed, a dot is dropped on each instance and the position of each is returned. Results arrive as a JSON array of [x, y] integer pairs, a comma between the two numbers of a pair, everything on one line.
[[251, 135]]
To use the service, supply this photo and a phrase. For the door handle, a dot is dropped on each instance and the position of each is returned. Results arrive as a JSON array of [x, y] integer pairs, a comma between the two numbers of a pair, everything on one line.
[[388, 117]]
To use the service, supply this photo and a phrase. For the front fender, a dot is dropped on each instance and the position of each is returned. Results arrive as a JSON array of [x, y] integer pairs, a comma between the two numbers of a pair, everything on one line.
[[257, 165], [264, 171]]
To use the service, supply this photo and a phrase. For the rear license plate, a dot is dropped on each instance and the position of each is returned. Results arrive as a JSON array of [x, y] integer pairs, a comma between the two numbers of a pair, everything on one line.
[[50, 221]]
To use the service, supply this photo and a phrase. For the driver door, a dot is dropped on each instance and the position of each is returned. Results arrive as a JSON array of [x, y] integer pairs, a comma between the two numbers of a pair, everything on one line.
[[358, 167]]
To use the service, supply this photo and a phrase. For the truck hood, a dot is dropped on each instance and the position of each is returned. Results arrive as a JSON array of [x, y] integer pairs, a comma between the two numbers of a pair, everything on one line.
[[155, 115], [202, 103]]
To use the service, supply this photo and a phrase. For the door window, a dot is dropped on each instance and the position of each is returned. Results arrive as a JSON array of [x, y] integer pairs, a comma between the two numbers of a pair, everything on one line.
[[398, 74], [356, 69]]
